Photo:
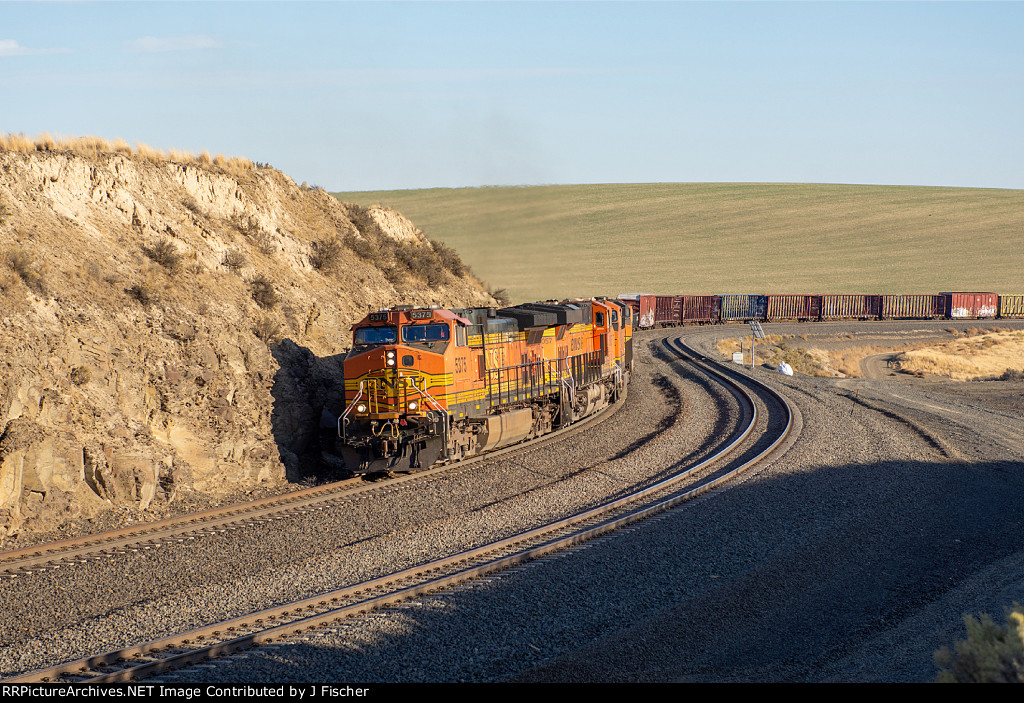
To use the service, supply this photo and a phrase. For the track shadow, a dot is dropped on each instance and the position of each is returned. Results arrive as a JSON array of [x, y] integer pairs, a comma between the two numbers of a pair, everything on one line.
[[847, 572]]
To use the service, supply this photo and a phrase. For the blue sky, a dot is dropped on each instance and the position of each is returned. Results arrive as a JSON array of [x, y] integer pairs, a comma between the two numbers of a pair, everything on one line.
[[383, 95]]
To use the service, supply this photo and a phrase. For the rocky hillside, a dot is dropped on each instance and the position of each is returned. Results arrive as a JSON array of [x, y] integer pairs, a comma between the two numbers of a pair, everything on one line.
[[172, 328]]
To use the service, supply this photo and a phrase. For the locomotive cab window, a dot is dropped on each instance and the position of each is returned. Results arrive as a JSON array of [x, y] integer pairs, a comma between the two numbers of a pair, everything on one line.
[[599, 319], [425, 333], [365, 336], [460, 336]]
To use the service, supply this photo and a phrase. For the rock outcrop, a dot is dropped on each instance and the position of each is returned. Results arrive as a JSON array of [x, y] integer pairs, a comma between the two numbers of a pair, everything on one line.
[[177, 327]]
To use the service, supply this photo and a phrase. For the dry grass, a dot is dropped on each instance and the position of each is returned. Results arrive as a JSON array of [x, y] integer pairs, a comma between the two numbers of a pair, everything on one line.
[[94, 146], [985, 356], [724, 238]]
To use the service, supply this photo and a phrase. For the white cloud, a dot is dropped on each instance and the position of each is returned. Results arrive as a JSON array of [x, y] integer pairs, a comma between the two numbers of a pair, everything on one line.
[[11, 47], [183, 43]]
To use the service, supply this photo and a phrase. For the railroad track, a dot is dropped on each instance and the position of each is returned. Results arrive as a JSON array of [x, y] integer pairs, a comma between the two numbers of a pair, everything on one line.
[[738, 453], [219, 520]]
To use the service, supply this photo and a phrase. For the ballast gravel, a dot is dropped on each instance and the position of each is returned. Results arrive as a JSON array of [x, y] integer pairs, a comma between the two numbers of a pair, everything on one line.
[[851, 558]]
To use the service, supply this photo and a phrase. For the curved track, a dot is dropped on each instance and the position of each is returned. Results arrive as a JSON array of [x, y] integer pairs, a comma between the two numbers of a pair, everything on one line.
[[743, 449], [153, 534]]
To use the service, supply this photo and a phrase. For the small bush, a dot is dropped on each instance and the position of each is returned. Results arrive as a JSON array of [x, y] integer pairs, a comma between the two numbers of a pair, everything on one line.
[[991, 653], [234, 260], [81, 375], [143, 292], [501, 295], [263, 292], [364, 247], [264, 241], [166, 254], [28, 269], [1012, 375], [449, 258], [326, 255], [267, 329]]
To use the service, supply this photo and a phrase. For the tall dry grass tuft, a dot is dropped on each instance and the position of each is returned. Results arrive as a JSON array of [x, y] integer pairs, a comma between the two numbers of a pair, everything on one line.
[[44, 142], [148, 153], [16, 142], [120, 146]]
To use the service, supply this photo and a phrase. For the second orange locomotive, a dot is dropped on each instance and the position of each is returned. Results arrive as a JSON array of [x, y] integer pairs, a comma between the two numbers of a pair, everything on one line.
[[427, 385]]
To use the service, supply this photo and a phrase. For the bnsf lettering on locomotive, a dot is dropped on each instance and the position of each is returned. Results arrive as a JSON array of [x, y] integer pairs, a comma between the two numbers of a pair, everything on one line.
[[576, 344]]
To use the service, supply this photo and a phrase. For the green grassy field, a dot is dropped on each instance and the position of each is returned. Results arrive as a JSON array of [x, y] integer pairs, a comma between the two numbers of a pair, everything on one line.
[[558, 241]]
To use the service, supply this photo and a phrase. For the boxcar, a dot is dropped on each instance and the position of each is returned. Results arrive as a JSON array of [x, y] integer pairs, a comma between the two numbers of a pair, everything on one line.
[[642, 305], [668, 310], [1011, 306], [700, 308], [850, 307], [794, 307], [905, 307], [970, 305], [740, 308]]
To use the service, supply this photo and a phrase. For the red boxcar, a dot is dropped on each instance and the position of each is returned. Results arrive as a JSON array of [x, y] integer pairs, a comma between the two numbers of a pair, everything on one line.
[[913, 306], [850, 307], [970, 305], [643, 309], [701, 308], [668, 310], [794, 307]]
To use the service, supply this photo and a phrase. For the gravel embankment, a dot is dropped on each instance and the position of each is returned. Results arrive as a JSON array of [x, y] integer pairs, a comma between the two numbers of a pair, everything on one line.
[[83, 609], [851, 558]]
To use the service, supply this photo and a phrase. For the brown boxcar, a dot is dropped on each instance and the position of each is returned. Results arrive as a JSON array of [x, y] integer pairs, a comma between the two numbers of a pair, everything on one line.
[[1011, 306], [643, 309], [668, 310], [794, 307], [907, 307], [700, 308], [970, 305], [850, 307]]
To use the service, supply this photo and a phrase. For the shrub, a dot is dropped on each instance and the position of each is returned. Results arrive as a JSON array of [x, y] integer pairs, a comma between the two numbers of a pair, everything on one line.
[[81, 375], [501, 295], [990, 654], [325, 255], [234, 260], [1012, 375], [263, 292], [192, 206], [267, 329], [364, 247], [166, 254], [449, 258], [28, 269], [143, 292]]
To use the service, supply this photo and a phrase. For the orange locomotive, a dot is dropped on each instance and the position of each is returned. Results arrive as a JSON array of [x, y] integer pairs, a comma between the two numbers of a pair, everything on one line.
[[428, 385]]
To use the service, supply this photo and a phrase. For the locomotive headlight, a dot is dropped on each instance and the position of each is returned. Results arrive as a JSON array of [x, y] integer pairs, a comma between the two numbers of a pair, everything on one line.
[[391, 355], [413, 405], [391, 361], [361, 408]]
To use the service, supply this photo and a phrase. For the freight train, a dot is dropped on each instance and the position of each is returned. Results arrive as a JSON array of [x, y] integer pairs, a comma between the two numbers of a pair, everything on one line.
[[671, 310], [425, 386]]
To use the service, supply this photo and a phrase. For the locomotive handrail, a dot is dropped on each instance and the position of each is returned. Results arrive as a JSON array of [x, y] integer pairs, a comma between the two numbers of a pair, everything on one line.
[[437, 407], [342, 420]]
